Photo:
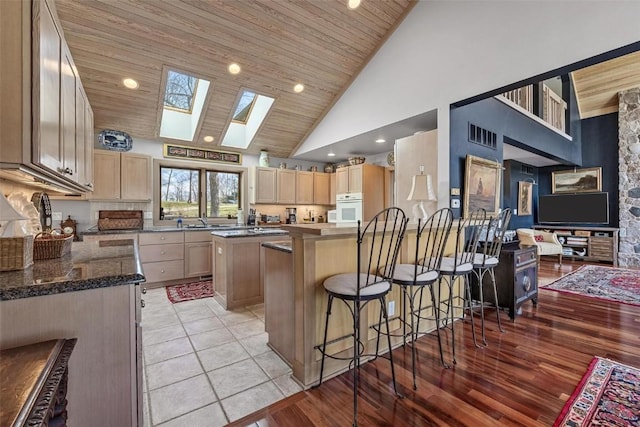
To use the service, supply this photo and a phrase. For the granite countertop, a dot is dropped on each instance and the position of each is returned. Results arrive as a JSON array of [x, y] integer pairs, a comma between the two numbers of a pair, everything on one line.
[[90, 265], [284, 246], [250, 232], [154, 229]]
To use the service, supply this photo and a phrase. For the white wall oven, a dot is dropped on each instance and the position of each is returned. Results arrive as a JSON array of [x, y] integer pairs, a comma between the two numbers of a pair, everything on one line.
[[349, 207]]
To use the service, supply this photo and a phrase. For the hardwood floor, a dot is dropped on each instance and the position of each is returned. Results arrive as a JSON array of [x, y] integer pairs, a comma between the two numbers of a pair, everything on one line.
[[523, 377]]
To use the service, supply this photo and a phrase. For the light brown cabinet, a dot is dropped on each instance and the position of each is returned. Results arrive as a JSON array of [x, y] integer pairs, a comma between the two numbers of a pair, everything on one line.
[[321, 188], [121, 176], [286, 186], [350, 179], [332, 189], [263, 185], [366, 179], [198, 253], [304, 187], [162, 256], [41, 133]]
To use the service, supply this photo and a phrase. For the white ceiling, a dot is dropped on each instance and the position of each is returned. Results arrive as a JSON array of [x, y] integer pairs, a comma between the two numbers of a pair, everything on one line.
[[509, 152]]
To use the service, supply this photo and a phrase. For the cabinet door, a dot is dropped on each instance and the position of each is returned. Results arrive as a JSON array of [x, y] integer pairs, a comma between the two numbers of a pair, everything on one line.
[[68, 116], [135, 181], [304, 188], [81, 146], [197, 259], [286, 186], [47, 148], [321, 188], [106, 168], [265, 185], [355, 179], [88, 141], [332, 189], [342, 180]]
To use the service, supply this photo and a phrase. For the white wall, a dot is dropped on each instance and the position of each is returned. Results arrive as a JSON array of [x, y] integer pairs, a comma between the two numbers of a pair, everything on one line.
[[447, 51]]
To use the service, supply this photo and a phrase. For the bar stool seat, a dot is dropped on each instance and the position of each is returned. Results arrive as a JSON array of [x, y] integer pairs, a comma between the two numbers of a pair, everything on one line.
[[345, 286]]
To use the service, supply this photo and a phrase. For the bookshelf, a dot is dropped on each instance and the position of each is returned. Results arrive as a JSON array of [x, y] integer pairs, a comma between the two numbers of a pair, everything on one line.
[[587, 243]]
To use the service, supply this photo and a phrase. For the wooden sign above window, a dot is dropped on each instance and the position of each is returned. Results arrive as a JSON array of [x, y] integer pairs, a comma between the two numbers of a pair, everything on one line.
[[193, 153]]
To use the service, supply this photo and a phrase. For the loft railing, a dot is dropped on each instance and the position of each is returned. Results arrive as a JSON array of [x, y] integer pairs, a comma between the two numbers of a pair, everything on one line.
[[553, 106]]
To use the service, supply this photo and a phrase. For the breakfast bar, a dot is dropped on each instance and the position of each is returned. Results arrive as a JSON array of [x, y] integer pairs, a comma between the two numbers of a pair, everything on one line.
[[320, 251]]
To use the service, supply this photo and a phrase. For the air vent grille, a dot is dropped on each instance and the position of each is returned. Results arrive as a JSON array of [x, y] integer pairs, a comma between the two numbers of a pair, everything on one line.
[[526, 170], [482, 136]]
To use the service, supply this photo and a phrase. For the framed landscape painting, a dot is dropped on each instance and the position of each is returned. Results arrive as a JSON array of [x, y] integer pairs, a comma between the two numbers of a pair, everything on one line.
[[482, 180], [525, 198], [577, 181]]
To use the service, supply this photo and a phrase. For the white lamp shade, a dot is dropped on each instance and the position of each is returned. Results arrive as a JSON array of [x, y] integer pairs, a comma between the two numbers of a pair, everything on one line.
[[422, 188]]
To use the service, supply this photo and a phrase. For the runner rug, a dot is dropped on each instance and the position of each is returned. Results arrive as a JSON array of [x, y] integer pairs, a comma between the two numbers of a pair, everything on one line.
[[190, 291], [608, 283], [607, 395]]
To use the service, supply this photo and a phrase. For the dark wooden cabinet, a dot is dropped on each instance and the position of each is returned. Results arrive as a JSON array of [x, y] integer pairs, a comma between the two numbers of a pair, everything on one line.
[[516, 278], [34, 384]]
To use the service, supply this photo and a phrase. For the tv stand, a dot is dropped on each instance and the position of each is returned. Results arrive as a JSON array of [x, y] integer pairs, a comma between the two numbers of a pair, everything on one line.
[[586, 243]]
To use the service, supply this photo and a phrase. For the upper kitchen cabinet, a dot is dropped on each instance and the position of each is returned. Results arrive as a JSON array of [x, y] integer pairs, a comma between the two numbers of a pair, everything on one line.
[[41, 136], [322, 188], [359, 178], [286, 186], [121, 176], [262, 185], [304, 188]]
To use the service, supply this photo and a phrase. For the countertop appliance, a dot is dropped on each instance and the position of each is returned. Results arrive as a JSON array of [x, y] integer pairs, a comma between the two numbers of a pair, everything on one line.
[[291, 215], [349, 207]]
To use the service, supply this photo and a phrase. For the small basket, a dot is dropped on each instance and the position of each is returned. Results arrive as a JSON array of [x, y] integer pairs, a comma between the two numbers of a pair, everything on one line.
[[16, 253], [120, 224], [355, 160], [47, 246]]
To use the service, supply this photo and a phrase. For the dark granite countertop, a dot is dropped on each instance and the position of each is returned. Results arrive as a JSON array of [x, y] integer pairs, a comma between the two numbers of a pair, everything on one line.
[[90, 265], [211, 227], [284, 246]]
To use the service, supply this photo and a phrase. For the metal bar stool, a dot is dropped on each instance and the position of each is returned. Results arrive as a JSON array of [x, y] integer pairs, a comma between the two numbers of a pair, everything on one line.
[[458, 266], [486, 259], [378, 246], [431, 239]]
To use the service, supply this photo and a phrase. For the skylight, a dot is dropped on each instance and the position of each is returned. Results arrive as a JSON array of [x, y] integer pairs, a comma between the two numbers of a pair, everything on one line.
[[248, 115], [243, 110], [184, 98]]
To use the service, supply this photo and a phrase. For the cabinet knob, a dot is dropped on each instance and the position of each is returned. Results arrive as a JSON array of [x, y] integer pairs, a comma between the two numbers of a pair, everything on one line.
[[144, 290], [142, 304], [162, 271], [161, 237], [162, 252], [88, 184]]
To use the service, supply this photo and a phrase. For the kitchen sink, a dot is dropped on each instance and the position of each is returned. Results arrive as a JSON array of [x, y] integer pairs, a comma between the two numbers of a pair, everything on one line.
[[212, 226]]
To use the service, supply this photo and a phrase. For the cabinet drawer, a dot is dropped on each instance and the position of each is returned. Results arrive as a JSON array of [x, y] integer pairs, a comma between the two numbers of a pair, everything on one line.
[[601, 243], [197, 236], [161, 271], [168, 252], [160, 238]]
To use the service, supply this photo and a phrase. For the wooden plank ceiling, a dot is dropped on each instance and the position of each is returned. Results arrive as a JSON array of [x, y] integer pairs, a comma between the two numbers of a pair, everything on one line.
[[597, 86], [278, 43]]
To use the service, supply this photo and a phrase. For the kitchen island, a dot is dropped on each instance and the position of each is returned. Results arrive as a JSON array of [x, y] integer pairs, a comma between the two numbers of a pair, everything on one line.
[[93, 295], [320, 251], [236, 276]]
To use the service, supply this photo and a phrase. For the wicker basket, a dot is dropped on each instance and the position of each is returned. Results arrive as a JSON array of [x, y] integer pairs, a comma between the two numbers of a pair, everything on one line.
[[120, 224], [16, 253], [47, 246]]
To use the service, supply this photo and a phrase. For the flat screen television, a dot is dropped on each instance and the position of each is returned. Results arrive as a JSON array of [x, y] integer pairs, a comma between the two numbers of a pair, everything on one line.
[[579, 208]]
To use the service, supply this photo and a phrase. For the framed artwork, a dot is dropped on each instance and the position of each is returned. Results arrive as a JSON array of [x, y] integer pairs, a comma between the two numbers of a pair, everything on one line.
[[525, 198], [577, 181], [482, 180]]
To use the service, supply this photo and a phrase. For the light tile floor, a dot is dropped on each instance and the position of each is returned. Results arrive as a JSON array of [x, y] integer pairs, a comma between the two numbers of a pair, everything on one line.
[[204, 366]]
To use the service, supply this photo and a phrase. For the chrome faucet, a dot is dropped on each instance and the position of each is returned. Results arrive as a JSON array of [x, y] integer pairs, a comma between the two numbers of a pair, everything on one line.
[[203, 220]]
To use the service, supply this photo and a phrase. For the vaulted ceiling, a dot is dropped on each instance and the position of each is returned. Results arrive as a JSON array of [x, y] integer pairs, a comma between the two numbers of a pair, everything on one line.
[[320, 43]]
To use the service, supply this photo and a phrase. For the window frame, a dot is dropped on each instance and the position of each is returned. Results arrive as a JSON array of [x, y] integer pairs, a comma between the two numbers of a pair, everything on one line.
[[203, 167], [193, 96]]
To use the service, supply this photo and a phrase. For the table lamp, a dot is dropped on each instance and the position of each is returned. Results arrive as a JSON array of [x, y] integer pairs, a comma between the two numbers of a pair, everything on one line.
[[421, 190]]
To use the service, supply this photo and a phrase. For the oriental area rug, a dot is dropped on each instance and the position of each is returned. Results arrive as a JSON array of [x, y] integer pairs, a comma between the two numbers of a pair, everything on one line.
[[190, 291], [607, 395], [607, 283]]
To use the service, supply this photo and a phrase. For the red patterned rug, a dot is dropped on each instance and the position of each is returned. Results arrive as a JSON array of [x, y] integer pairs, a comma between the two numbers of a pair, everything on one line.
[[607, 395], [608, 283], [190, 291]]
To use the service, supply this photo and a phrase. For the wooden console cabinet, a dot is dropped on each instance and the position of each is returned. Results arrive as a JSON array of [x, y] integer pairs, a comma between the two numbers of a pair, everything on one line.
[[516, 279], [587, 243]]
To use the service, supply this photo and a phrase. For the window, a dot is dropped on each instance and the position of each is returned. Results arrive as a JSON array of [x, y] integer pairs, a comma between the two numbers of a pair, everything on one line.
[[243, 110], [249, 114], [181, 195], [185, 97], [180, 91]]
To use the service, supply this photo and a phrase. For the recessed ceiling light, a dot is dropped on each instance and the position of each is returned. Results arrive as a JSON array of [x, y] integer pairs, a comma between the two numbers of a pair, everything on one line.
[[234, 68], [331, 154], [381, 140], [130, 83], [298, 88], [208, 138], [353, 4]]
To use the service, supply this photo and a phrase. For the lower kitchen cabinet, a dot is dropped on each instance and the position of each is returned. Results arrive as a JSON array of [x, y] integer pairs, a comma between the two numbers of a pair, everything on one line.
[[198, 253], [162, 255]]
